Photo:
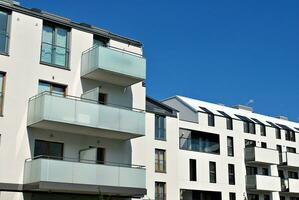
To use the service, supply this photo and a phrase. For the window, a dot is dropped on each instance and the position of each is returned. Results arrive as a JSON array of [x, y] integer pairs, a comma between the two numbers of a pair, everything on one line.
[[266, 197], [251, 170], [232, 196], [292, 174], [252, 197], [100, 155], [264, 145], [291, 149], [281, 174], [102, 98], [160, 191], [160, 130], [250, 143], [99, 41], [229, 123], [54, 48], [290, 135], [192, 170], [4, 34], [199, 141], [52, 88], [282, 198], [278, 133], [211, 119], [263, 129], [265, 171], [212, 167], [53, 150], [249, 127], [279, 148], [231, 174], [2, 91], [230, 146], [160, 160]]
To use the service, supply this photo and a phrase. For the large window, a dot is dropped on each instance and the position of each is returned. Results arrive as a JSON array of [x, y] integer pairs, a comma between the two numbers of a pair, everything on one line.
[[54, 48], [211, 119], [192, 170], [291, 149], [212, 167], [160, 160], [160, 191], [53, 150], [53, 88], [230, 146], [249, 127], [290, 135], [4, 35], [2, 87], [231, 174], [160, 130], [251, 170], [232, 196], [278, 133], [250, 143], [263, 129], [199, 141], [229, 123], [293, 174]]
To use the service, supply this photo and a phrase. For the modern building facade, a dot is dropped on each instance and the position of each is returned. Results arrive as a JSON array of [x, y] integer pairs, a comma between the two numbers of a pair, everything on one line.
[[75, 123]]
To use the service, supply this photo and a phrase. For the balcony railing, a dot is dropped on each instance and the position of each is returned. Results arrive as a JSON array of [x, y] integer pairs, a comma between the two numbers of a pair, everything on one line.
[[55, 55], [261, 183], [199, 146], [84, 175], [261, 155], [113, 66], [84, 116], [4, 38], [289, 159]]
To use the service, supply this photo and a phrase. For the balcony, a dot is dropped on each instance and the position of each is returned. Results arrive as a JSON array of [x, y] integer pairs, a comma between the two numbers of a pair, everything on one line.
[[112, 65], [261, 183], [82, 116], [290, 160], [261, 155], [290, 185], [70, 176]]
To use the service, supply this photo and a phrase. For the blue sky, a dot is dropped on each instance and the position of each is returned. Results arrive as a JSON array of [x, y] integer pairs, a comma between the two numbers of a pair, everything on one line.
[[219, 51]]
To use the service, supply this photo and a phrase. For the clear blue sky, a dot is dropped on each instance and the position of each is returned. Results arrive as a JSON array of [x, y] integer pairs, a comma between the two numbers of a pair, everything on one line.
[[219, 51]]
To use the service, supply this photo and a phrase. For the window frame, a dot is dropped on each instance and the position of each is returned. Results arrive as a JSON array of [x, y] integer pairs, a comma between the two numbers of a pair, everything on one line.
[[211, 119], [55, 26], [158, 194], [2, 92], [53, 84], [158, 127], [229, 123], [212, 173], [192, 170], [231, 174], [48, 149], [158, 161], [7, 33], [230, 148]]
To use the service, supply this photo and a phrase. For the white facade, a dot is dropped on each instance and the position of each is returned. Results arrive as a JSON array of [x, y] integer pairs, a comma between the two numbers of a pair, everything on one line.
[[103, 146]]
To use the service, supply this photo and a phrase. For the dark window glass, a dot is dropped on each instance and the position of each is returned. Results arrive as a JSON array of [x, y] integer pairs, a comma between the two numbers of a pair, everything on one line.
[[281, 174], [265, 171], [266, 197], [279, 148], [2, 91], [282, 198], [102, 98], [278, 133], [230, 146], [290, 135], [160, 193], [291, 149], [212, 166], [246, 126], [54, 48], [160, 127], [251, 170], [211, 119], [52, 88], [263, 130], [232, 196], [99, 41], [160, 160], [229, 123], [101, 155], [199, 141], [192, 170], [264, 145], [251, 127], [4, 35], [252, 197], [53, 150], [250, 143], [292, 174], [231, 174]]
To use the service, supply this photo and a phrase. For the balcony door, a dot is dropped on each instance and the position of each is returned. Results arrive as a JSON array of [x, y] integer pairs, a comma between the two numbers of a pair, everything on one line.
[[101, 155], [47, 149]]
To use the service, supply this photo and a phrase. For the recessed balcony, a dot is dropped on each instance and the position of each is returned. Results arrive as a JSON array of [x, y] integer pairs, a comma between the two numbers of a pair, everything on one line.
[[70, 176], [263, 183], [82, 116], [261, 155], [113, 65], [290, 185], [289, 159]]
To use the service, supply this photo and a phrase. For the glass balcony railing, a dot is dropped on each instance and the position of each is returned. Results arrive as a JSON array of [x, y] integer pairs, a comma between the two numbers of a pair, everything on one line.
[[65, 172], [55, 55], [4, 38], [84, 116], [113, 65], [205, 146]]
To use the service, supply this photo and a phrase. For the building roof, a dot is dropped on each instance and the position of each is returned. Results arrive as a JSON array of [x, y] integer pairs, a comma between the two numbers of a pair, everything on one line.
[[225, 111], [157, 107], [35, 12]]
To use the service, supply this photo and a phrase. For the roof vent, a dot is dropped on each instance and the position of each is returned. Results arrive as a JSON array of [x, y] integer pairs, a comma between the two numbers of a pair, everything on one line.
[[36, 10], [242, 107], [282, 117]]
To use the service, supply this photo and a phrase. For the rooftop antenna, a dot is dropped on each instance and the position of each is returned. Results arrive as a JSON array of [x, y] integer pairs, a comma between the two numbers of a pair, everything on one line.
[[250, 102]]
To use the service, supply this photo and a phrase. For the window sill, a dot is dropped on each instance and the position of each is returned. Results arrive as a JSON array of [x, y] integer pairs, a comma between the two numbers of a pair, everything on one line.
[[55, 66], [4, 54], [162, 172], [160, 139]]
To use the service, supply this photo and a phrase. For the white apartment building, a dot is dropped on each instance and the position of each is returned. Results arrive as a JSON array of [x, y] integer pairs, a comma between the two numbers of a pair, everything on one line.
[[75, 123]]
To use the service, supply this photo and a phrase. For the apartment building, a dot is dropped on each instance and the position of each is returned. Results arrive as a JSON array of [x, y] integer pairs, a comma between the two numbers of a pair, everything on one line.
[[205, 151], [72, 98]]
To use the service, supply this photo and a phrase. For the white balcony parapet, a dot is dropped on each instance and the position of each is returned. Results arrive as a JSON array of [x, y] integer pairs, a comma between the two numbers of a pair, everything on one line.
[[262, 155], [83, 116], [263, 183], [290, 159]]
